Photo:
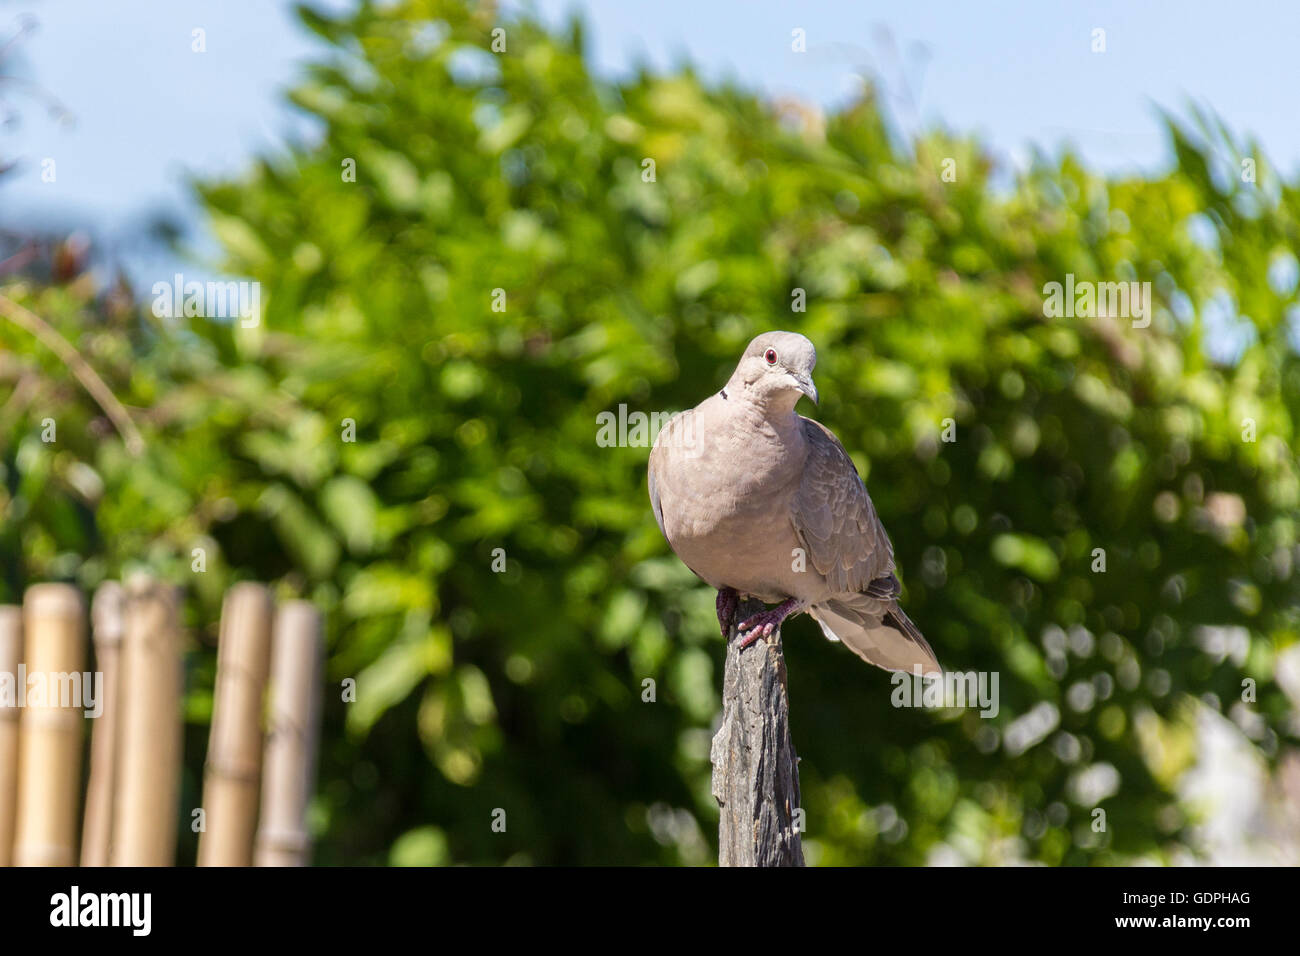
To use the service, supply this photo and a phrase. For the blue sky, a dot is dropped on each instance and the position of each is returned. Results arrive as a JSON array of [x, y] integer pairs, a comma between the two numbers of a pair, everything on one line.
[[146, 111]]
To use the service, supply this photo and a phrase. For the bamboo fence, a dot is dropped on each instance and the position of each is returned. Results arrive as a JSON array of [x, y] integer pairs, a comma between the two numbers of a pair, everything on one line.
[[259, 773]]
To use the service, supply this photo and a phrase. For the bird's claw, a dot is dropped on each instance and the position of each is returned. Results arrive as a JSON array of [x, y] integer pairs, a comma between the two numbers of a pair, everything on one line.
[[764, 630], [762, 625]]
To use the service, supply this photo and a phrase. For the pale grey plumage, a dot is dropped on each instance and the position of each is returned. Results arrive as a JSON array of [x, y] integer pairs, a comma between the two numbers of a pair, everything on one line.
[[756, 498]]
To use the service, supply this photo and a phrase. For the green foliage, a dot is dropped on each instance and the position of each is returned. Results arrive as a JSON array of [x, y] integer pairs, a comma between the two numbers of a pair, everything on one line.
[[476, 430]]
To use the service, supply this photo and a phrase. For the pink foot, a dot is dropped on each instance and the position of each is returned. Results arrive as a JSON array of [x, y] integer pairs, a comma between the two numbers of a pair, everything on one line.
[[726, 605], [765, 622]]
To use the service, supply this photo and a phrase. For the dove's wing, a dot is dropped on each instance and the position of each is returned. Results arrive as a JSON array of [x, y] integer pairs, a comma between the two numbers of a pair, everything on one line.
[[837, 522], [834, 517]]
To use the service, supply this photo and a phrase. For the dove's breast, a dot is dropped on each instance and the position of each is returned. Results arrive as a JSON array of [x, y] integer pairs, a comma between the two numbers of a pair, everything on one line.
[[725, 510]]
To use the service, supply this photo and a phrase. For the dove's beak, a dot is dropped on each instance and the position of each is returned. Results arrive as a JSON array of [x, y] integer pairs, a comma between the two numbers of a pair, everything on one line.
[[806, 386]]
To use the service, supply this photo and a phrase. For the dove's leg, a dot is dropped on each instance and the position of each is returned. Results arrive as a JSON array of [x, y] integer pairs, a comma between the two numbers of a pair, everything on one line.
[[727, 601], [764, 623]]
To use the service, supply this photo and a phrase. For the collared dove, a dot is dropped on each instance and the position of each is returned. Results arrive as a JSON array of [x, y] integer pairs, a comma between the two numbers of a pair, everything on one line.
[[760, 501]]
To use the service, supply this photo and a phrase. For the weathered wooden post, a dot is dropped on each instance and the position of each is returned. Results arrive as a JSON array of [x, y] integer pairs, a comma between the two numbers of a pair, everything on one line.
[[755, 770]]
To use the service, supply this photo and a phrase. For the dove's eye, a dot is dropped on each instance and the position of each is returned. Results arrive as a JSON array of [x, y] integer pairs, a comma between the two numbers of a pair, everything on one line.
[[770, 356]]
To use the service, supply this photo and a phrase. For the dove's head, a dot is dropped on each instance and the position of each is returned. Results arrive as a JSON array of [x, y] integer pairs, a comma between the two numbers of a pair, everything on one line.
[[776, 369]]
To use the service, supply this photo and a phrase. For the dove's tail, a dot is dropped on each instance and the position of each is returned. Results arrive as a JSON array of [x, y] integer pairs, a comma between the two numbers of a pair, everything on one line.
[[890, 640]]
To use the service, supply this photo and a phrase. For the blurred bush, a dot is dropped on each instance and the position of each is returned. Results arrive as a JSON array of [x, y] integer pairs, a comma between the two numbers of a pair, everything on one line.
[[515, 177]]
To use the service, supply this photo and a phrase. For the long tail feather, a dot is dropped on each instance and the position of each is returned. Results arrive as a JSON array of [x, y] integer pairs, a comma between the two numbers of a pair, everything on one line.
[[890, 641]]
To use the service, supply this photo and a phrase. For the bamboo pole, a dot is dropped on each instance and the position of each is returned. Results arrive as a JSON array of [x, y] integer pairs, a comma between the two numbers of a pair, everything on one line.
[[755, 770], [289, 769], [232, 773], [49, 736], [107, 616], [11, 652], [149, 745]]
